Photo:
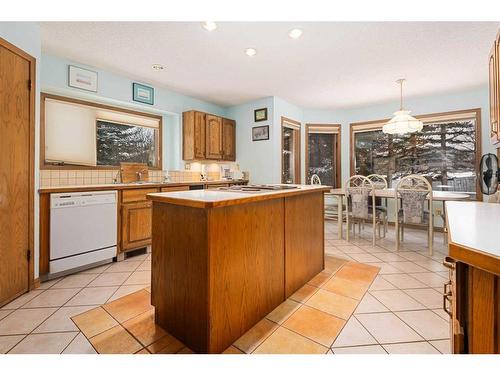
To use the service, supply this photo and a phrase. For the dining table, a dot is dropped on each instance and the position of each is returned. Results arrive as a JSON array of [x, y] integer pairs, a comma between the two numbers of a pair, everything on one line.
[[390, 193]]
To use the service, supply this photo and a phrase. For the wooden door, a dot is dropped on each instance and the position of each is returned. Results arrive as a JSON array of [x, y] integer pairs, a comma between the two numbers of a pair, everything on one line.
[[213, 148], [16, 116], [228, 139], [493, 86], [136, 225], [199, 135]]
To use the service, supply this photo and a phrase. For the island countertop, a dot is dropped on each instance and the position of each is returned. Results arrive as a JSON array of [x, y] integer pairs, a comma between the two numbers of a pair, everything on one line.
[[473, 234], [221, 198]]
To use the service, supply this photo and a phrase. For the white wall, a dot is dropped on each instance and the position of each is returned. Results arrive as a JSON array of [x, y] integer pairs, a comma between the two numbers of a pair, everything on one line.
[[27, 36]]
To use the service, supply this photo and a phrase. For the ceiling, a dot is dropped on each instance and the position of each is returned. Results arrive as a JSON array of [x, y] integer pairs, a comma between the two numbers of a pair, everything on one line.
[[333, 64]]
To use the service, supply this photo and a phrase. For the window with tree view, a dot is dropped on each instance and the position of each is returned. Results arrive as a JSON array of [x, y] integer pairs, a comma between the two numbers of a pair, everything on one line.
[[444, 151], [126, 143]]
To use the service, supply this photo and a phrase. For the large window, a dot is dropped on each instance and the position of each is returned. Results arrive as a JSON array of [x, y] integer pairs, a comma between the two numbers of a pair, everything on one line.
[[445, 151], [290, 151], [79, 133], [323, 153]]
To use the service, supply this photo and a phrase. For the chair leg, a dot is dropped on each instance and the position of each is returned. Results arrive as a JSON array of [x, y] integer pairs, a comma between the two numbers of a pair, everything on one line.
[[402, 232], [397, 234]]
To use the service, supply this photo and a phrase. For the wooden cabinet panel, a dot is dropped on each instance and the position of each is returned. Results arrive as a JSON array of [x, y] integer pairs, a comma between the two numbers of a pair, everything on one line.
[[213, 148], [136, 225], [193, 135], [228, 139], [493, 87], [174, 188], [136, 195]]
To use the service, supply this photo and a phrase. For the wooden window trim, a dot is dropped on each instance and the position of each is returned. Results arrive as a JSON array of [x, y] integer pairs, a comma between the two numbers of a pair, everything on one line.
[[32, 282], [338, 145], [44, 165], [298, 171], [377, 124]]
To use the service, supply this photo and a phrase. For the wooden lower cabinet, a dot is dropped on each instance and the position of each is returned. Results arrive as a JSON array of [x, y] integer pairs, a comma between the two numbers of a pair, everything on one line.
[[136, 225]]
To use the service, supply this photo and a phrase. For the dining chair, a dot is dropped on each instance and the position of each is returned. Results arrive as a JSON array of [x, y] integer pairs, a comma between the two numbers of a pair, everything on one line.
[[358, 190], [413, 191], [380, 183], [330, 206]]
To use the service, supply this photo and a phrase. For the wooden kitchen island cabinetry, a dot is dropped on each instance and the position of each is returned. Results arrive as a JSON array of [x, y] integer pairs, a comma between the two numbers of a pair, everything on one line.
[[223, 260], [472, 297]]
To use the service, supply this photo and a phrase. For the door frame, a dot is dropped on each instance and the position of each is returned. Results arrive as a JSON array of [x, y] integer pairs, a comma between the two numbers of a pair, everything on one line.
[[32, 283], [338, 151], [297, 161]]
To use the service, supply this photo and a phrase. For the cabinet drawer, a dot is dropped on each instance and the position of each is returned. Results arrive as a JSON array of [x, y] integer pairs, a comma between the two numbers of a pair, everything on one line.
[[137, 195], [174, 188]]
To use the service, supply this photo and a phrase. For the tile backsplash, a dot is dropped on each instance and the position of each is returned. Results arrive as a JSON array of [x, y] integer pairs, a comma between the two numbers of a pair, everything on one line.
[[50, 178]]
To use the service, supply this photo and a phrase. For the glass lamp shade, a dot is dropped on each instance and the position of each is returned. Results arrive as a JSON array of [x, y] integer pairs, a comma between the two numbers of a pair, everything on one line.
[[402, 123]]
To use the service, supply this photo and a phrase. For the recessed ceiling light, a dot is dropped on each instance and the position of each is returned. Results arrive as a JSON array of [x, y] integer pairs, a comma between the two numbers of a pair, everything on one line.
[[157, 67], [295, 33], [209, 25], [251, 51]]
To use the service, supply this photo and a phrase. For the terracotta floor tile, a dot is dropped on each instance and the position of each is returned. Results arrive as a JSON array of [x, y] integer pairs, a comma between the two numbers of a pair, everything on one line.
[[144, 329], [61, 321], [142, 351], [284, 341], [168, 344], [367, 258], [370, 349], [411, 348], [115, 341], [8, 342], [370, 304], [356, 273], [232, 350], [320, 279], [44, 343], [304, 293], [255, 335], [52, 298], [387, 328], [283, 311], [94, 321], [335, 304], [139, 277], [387, 269], [348, 288], [129, 306], [80, 280], [79, 345], [396, 300], [127, 289], [185, 350], [110, 279], [92, 296], [353, 334], [24, 321], [429, 325], [315, 324], [333, 264]]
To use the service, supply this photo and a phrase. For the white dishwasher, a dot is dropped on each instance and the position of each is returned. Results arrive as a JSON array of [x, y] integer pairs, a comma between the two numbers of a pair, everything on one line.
[[83, 229]]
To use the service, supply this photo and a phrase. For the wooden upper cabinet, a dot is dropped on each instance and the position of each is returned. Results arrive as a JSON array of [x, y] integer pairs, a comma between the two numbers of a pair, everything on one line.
[[213, 138], [228, 139], [207, 136], [193, 135]]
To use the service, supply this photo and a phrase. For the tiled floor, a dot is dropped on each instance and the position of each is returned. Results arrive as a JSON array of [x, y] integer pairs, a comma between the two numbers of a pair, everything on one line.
[[400, 313]]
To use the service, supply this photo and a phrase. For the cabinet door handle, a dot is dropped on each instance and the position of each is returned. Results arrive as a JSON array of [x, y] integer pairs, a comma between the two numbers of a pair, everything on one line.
[[447, 297], [449, 263]]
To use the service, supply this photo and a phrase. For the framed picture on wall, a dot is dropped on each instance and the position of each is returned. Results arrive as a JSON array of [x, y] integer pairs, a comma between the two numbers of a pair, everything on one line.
[[260, 115], [83, 79], [143, 94], [260, 133]]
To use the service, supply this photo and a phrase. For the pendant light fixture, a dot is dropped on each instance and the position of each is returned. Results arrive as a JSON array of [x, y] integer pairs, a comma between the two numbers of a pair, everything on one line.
[[402, 122]]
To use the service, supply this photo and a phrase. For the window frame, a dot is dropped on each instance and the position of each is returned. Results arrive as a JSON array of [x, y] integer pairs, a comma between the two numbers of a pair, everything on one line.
[[50, 166], [338, 151], [426, 118], [296, 126]]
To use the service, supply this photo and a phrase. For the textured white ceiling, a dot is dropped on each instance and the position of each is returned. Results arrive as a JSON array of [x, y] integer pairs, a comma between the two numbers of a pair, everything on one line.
[[333, 65]]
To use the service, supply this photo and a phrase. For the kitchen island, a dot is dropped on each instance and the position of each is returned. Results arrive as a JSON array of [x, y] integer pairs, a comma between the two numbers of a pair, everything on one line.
[[222, 260]]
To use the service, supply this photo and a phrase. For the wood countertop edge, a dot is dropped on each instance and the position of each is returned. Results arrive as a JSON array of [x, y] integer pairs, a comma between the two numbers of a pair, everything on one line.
[[161, 198], [64, 189]]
